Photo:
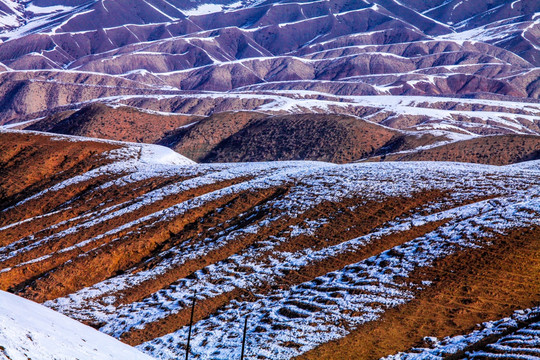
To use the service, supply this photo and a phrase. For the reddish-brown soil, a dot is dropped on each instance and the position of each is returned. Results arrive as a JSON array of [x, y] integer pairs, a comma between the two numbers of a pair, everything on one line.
[[123, 123], [492, 150], [195, 142], [348, 224], [240, 136], [31, 162], [119, 252], [470, 288], [333, 138]]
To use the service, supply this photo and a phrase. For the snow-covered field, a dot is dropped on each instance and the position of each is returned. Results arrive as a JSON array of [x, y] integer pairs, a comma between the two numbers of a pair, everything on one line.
[[259, 223]]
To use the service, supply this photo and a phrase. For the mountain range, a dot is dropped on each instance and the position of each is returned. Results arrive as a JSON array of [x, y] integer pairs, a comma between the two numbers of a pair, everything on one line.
[[277, 57]]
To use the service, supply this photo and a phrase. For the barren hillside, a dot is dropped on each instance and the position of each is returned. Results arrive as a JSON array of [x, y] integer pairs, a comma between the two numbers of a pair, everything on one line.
[[493, 150], [123, 124]]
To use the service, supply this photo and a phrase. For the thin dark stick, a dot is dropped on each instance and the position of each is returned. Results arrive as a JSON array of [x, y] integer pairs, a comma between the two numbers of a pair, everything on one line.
[[190, 325], [244, 339]]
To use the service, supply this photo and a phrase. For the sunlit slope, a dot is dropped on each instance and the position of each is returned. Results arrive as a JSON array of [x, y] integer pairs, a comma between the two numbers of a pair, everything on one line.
[[358, 260]]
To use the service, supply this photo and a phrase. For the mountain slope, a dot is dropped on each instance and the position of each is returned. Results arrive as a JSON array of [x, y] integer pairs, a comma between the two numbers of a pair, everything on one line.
[[32, 331], [10, 14], [493, 150], [318, 255], [321, 137], [122, 124], [513, 337], [244, 136], [362, 259], [256, 136]]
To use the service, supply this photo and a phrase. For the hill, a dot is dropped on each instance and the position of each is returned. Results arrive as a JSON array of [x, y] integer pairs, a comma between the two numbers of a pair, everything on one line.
[[321, 137], [326, 260], [493, 150], [122, 124], [256, 136]]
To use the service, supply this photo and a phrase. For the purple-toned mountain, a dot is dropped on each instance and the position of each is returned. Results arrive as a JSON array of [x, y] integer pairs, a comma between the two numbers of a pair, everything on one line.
[[11, 14], [67, 54]]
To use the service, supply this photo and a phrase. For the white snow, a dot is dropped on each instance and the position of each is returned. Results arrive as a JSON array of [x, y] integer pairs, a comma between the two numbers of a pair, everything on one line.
[[157, 154], [14, 17], [31, 331], [38, 10], [203, 9]]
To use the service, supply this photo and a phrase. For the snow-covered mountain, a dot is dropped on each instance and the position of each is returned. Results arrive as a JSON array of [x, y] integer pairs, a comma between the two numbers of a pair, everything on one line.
[[402, 213], [11, 14], [355, 244], [20, 17], [32, 331], [163, 55]]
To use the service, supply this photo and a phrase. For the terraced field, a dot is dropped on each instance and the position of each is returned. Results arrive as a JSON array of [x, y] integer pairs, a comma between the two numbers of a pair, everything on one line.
[[523, 343], [355, 261]]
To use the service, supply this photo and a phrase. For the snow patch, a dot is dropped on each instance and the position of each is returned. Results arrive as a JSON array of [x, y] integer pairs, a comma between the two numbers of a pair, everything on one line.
[[32, 331], [203, 9], [156, 154]]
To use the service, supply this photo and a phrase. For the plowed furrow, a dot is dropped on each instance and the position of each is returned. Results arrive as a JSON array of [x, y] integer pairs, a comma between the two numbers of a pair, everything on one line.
[[22, 181], [90, 204], [91, 236], [355, 217], [345, 258], [176, 320], [241, 212], [311, 270], [56, 204], [467, 288], [522, 335], [127, 249]]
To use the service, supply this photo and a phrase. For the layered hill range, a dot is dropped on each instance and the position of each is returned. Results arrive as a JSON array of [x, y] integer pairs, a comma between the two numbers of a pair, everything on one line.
[[326, 261], [467, 67], [256, 136]]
